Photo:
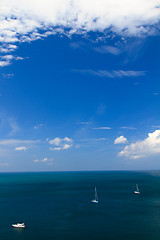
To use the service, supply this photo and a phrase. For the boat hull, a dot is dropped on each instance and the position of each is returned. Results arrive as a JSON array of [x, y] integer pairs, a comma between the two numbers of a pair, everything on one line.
[[136, 192], [18, 226]]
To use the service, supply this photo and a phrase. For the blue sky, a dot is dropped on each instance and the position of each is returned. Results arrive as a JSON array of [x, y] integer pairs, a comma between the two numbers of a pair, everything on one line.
[[79, 85]]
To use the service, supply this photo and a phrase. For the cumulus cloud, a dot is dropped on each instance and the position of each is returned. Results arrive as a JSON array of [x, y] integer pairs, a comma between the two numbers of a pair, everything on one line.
[[7, 59], [4, 63], [120, 140], [111, 74], [23, 18], [20, 148], [147, 147], [25, 21], [56, 141], [61, 143], [67, 146]]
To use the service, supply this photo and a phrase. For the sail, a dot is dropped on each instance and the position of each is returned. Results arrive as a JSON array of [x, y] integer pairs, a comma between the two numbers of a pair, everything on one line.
[[137, 187], [95, 200], [96, 195]]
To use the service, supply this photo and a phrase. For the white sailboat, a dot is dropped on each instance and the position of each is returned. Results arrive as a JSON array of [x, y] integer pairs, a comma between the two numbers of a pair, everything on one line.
[[96, 197], [137, 190], [19, 225]]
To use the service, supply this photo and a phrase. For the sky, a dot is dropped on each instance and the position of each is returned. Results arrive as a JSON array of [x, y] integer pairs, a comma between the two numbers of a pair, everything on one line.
[[79, 85]]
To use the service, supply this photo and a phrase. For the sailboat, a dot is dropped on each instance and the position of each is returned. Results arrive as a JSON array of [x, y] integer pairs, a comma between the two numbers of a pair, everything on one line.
[[137, 190], [96, 197]]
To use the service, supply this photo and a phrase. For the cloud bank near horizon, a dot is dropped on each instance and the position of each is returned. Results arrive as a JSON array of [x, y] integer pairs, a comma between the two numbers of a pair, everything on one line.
[[25, 21]]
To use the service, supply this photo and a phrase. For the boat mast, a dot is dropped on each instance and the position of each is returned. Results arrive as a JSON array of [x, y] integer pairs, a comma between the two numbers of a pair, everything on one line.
[[96, 195]]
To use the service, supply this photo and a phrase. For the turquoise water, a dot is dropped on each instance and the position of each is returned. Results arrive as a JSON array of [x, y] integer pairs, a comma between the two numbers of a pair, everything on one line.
[[58, 206]]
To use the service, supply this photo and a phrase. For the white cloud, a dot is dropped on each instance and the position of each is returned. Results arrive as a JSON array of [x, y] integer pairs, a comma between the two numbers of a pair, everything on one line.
[[17, 142], [66, 146], [85, 123], [100, 139], [7, 57], [20, 148], [8, 48], [55, 149], [132, 128], [76, 45], [28, 20], [61, 143], [44, 159], [120, 140], [102, 128], [4, 63], [23, 18], [14, 126], [49, 161], [56, 141], [38, 126], [108, 49], [111, 74], [8, 75], [36, 160], [66, 139], [147, 147]]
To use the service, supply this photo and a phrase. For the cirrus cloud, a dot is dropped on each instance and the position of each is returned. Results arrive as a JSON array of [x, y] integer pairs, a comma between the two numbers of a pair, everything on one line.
[[111, 74], [101, 128]]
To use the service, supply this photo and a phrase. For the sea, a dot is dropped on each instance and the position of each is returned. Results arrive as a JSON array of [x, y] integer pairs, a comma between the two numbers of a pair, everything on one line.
[[57, 205]]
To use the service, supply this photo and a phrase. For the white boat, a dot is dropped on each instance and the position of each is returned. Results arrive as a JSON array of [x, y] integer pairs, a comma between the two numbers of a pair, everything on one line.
[[137, 190], [19, 225], [96, 197]]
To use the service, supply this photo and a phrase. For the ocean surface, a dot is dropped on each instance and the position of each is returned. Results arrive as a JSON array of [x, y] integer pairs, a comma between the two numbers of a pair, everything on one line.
[[58, 206]]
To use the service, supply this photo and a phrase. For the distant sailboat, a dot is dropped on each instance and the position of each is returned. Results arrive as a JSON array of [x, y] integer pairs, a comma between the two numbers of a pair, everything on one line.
[[96, 197], [137, 190]]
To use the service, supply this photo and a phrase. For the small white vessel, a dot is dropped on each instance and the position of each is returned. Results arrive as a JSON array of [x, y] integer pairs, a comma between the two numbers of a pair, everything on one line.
[[96, 197], [137, 190], [19, 225]]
